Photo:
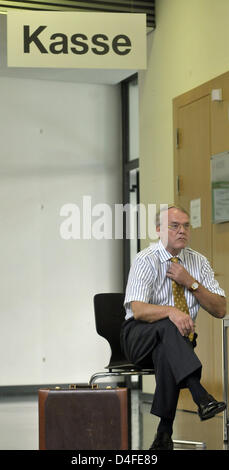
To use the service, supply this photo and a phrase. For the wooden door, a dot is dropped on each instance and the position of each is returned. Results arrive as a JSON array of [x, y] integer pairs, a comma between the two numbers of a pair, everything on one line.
[[193, 167], [193, 171], [203, 129]]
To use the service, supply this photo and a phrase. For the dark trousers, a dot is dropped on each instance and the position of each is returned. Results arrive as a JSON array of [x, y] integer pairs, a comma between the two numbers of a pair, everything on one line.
[[160, 345]]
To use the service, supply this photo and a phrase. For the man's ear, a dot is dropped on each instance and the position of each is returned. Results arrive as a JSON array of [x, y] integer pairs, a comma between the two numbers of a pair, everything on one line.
[[158, 229]]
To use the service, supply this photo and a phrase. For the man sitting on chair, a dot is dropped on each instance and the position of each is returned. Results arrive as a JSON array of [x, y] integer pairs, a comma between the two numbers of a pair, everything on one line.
[[167, 284]]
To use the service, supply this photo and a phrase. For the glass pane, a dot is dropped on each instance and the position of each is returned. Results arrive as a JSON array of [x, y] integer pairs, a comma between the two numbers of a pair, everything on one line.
[[133, 121]]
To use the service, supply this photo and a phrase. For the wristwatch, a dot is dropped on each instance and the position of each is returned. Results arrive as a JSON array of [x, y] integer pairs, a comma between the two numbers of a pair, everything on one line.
[[194, 286]]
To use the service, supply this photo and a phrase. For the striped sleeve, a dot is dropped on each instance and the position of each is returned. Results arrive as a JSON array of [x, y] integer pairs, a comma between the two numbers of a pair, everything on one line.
[[209, 281], [139, 285]]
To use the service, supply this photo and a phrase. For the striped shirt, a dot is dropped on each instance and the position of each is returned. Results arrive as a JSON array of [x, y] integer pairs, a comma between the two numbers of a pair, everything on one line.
[[147, 281]]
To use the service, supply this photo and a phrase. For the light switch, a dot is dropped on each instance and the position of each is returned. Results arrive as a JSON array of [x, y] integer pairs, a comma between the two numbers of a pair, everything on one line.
[[217, 94]]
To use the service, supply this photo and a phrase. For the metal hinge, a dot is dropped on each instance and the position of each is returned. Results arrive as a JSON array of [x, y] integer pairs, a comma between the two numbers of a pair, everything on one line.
[[178, 185], [177, 138]]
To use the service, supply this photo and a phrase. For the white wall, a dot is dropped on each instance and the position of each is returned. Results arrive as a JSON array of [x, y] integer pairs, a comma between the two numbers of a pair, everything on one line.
[[188, 47], [59, 142]]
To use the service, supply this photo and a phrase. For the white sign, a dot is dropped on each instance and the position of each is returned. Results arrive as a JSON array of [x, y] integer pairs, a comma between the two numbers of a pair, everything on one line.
[[220, 187], [220, 167], [76, 40], [221, 204], [195, 213]]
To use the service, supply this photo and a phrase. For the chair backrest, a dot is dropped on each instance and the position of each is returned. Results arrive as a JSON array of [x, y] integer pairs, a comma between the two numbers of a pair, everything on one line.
[[109, 316]]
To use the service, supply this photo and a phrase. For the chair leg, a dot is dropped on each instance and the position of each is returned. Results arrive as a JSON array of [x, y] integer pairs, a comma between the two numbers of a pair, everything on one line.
[[136, 420], [136, 415], [225, 378], [98, 375], [202, 445], [123, 373]]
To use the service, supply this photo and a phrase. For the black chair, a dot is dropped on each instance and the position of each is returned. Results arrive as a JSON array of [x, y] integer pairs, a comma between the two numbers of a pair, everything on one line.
[[109, 316]]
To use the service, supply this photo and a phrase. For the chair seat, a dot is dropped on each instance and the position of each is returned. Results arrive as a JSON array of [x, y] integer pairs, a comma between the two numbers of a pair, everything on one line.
[[128, 367], [120, 365]]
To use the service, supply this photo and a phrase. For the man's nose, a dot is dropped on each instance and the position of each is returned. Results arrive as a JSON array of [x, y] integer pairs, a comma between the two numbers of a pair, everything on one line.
[[181, 228]]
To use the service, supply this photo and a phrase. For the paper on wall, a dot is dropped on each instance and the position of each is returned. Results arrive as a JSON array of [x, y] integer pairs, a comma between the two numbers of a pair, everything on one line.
[[195, 213]]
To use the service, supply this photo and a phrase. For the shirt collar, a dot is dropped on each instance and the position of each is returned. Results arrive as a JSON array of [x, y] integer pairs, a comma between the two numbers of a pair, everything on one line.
[[164, 255]]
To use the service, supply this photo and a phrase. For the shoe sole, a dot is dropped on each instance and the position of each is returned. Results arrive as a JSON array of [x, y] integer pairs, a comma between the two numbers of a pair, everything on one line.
[[214, 412]]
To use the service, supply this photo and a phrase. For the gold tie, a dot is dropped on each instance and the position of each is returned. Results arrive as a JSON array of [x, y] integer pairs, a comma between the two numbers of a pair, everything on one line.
[[179, 297]]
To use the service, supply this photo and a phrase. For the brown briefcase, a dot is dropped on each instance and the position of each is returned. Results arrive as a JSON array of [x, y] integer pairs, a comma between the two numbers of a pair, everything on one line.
[[83, 419]]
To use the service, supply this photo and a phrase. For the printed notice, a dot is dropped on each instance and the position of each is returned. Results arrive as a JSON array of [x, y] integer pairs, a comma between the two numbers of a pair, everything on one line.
[[195, 213], [220, 187]]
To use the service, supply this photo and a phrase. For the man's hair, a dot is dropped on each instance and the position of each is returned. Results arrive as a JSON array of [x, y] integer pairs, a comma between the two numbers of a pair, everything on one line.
[[165, 208]]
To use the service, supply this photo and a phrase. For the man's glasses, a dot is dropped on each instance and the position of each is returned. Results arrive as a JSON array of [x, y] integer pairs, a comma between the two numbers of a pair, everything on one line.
[[175, 226]]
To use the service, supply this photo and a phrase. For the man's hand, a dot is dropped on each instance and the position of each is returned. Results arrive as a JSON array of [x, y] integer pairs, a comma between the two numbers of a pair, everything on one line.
[[178, 273], [214, 304], [183, 322]]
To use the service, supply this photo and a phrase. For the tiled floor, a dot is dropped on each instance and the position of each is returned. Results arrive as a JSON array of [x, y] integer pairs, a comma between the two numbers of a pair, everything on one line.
[[19, 426]]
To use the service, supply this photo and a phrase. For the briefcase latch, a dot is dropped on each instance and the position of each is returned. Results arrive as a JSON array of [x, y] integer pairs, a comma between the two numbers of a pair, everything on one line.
[[82, 386]]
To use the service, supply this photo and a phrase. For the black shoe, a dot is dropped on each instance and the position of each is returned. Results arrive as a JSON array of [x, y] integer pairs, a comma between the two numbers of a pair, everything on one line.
[[210, 408], [162, 441]]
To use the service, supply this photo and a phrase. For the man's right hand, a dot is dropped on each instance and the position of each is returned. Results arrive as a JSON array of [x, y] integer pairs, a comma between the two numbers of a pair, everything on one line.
[[183, 322]]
